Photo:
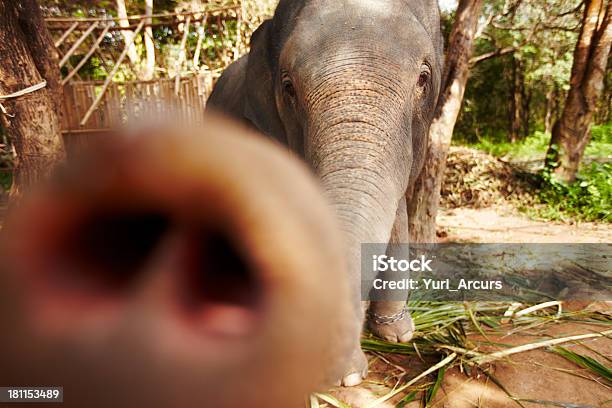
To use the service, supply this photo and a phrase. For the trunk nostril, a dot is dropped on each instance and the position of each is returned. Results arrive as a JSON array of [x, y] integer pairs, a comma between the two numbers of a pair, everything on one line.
[[104, 253], [220, 290], [108, 249]]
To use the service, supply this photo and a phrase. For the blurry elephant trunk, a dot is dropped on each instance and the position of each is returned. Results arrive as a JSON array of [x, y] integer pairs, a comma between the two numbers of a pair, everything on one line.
[[174, 268]]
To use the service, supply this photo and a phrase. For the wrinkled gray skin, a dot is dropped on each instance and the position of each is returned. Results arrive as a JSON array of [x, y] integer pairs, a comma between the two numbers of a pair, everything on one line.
[[350, 86]]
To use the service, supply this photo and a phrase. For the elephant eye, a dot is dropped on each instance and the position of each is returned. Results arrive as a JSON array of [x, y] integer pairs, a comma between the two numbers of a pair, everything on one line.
[[424, 76], [287, 85], [288, 88], [423, 79]]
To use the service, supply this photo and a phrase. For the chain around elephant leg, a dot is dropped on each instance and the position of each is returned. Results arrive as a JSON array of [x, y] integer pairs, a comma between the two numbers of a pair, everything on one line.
[[391, 321]]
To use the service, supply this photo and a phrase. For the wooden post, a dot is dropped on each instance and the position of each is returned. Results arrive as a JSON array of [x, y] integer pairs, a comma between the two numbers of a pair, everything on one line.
[[110, 76], [61, 40]]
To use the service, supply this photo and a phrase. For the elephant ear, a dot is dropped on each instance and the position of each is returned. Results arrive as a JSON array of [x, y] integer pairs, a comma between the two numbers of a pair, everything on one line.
[[260, 107]]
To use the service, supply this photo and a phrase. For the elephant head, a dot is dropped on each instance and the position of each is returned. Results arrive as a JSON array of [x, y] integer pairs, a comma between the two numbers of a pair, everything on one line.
[[351, 87], [159, 271]]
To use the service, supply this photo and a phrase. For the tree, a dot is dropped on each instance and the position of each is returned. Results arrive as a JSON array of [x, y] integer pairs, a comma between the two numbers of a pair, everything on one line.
[[522, 63], [128, 35], [517, 111], [149, 70], [572, 131], [550, 109], [28, 57], [423, 200]]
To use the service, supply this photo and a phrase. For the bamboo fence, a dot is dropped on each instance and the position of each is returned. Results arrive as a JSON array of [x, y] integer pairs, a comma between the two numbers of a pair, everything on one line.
[[131, 102]]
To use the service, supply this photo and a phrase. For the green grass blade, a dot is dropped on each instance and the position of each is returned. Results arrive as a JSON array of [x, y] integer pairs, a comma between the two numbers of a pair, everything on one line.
[[585, 362], [433, 390], [408, 398]]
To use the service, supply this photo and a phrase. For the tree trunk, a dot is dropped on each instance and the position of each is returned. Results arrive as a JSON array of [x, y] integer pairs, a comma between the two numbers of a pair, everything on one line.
[[42, 48], [149, 70], [526, 98], [423, 200], [608, 115], [604, 111], [32, 122], [550, 109], [127, 34], [516, 104], [572, 131]]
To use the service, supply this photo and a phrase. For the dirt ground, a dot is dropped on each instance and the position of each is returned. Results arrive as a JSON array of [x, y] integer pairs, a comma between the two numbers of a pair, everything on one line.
[[537, 378], [492, 225]]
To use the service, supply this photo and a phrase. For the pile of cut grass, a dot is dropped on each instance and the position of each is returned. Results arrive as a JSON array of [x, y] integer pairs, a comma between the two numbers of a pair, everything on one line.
[[475, 179], [493, 172]]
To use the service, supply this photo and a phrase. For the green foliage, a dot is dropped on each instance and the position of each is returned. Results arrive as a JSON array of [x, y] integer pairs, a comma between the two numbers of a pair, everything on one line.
[[600, 145], [6, 162], [6, 180], [588, 198], [529, 148], [535, 146], [602, 133], [541, 36], [488, 115]]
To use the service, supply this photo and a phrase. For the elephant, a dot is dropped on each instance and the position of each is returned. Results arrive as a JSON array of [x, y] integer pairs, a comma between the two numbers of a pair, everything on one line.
[[157, 271], [351, 87]]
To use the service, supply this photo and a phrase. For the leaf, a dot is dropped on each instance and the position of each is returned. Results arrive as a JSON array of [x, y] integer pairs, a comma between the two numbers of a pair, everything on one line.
[[585, 362], [436, 386]]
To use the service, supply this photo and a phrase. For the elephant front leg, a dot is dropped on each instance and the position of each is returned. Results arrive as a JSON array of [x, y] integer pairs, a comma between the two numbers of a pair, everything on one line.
[[390, 319]]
